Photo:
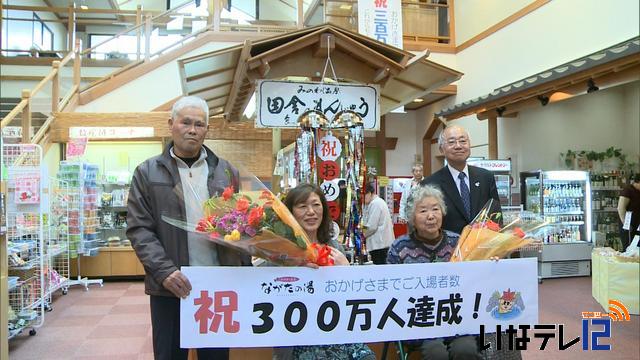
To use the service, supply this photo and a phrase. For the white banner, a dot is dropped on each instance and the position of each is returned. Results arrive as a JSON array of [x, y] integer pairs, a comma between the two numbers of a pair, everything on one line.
[[280, 103], [285, 306], [381, 20], [114, 132]]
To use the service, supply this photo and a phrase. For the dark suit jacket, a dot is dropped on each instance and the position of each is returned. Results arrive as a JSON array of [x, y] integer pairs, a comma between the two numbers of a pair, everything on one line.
[[482, 186]]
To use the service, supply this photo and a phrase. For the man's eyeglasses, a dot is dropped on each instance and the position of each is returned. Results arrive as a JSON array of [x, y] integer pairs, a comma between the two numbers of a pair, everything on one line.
[[452, 142]]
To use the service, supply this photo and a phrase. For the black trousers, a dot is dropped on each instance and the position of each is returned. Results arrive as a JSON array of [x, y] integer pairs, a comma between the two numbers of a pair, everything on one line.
[[379, 257], [165, 323]]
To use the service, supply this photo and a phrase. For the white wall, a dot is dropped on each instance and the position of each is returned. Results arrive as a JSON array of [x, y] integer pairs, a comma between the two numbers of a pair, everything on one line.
[[474, 16], [148, 91], [402, 126], [593, 121], [278, 10], [558, 32]]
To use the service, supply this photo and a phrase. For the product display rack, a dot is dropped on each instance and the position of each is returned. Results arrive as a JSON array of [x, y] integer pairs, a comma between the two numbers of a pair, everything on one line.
[[563, 198], [83, 214], [24, 218], [57, 242], [605, 190], [113, 214]]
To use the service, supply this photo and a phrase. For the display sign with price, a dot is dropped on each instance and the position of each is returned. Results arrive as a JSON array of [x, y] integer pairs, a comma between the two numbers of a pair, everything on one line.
[[284, 306]]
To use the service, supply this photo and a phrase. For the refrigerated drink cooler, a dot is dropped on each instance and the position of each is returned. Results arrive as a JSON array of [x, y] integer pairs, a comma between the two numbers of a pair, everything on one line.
[[564, 199], [501, 170]]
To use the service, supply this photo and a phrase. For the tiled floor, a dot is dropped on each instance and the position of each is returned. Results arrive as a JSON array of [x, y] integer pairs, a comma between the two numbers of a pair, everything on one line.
[[113, 322]]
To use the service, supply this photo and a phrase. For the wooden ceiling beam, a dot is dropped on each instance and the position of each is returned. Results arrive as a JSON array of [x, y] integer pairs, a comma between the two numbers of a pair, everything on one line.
[[213, 87], [238, 76], [560, 93], [629, 62], [210, 73]]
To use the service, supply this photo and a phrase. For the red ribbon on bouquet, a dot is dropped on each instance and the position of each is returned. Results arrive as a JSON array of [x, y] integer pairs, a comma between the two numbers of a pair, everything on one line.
[[323, 255]]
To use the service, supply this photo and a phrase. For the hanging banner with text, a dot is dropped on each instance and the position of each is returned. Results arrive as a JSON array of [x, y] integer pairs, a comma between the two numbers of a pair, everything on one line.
[[285, 306], [280, 103], [381, 20]]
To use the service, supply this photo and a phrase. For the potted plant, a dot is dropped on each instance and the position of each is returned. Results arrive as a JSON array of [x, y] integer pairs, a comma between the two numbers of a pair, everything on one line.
[[569, 159]]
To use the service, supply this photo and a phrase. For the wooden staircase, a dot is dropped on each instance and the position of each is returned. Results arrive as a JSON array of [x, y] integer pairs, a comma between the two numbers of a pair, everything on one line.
[[37, 120]]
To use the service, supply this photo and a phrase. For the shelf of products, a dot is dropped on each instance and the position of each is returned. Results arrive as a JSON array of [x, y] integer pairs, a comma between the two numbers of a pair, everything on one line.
[[605, 194], [113, 214], [24, 218], [563, 198], [83, 220]]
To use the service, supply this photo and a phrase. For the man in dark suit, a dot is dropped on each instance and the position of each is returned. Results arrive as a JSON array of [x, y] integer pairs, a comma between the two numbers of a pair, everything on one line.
[[466, 188]]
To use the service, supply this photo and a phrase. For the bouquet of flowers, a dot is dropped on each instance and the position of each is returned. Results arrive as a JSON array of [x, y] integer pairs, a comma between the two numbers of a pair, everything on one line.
[[484, 238], [259, 224]]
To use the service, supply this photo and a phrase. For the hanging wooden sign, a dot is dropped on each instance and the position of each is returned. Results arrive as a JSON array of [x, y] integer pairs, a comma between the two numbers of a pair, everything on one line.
[[280, 103]]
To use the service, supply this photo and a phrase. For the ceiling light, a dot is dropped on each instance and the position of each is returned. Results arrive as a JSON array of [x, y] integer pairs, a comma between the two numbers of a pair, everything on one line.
[[84, 7], [418, 100], [345, 7]]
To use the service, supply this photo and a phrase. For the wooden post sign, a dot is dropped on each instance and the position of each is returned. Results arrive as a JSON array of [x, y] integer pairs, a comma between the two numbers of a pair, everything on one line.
[[280, 103]]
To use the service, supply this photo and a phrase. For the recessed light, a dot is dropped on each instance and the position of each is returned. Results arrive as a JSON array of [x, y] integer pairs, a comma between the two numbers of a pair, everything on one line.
[[418, 100]]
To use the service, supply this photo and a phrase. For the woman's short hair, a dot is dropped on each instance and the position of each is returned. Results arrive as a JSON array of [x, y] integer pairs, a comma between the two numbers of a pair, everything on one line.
[[187, 102], [300, 194], [418, 194]]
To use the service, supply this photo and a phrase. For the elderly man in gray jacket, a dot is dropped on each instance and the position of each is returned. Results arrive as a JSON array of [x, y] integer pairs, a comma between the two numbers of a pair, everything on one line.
[[175, 184]]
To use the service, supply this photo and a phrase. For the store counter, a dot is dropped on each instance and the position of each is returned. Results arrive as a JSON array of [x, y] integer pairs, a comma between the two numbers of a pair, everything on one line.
[[614, 278]]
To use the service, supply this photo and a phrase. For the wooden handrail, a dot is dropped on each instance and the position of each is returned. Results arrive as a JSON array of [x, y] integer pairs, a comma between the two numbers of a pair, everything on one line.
[[43, 130], [64, 10], [136, 27], [12, 114], [66, 59], [127, 30], [182, 40], [43, 82], [65, 101]]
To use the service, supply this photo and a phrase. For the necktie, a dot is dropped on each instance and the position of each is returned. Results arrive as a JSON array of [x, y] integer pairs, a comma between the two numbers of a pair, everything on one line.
[[464, 194]]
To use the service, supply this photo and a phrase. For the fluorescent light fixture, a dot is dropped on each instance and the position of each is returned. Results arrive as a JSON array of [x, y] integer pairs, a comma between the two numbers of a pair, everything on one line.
[[345, 7], [84, 7], [418, 100]]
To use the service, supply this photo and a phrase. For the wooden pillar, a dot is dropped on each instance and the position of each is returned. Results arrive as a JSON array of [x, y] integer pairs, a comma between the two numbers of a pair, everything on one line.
[[55, 87], [276, 144], [381, 139], [26, 117], [300, 14], [426, 156], [147, 37], [138, 30], [71, 27], [493, 137], [77, 63]]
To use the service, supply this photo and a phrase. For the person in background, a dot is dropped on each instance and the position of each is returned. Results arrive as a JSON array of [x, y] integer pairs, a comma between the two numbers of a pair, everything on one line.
[[175, 184], [309, 207], [342, 201], [466, 188], [378, 228], [428, 242], [630, 201], [418, 176]]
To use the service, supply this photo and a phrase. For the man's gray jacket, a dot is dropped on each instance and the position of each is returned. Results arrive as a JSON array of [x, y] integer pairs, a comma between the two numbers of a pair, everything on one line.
[[156, 190]]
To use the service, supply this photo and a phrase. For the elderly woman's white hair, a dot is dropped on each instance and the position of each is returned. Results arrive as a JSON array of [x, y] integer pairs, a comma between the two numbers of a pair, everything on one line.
[[187, 102], [418, 194]]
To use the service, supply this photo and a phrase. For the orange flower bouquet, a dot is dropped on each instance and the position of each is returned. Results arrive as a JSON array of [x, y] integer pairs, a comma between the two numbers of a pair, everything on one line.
[[484, 238], [259, 224]]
